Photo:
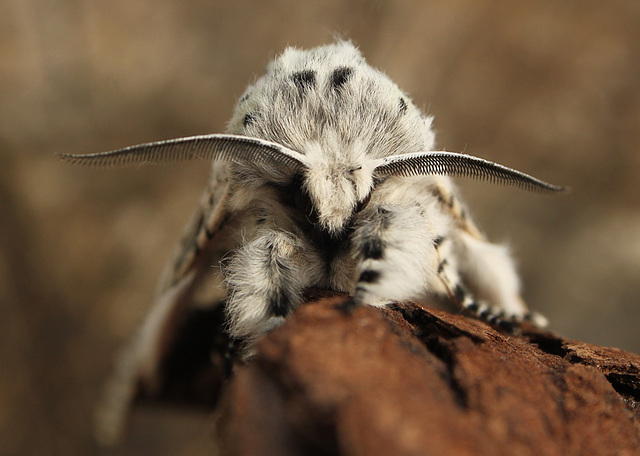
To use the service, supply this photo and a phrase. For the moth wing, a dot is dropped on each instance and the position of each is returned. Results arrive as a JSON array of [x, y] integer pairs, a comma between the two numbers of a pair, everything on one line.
[[443, 190], [138, 369]]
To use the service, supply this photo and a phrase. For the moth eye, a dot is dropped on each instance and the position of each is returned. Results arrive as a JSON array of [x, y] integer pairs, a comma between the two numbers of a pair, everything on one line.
[[363, 204]]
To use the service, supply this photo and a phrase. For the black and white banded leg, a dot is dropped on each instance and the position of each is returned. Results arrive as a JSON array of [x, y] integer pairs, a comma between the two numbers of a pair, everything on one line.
[[450, 277]]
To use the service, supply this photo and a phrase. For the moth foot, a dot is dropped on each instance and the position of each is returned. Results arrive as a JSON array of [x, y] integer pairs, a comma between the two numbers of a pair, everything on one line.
[[494, 316], [536, 319]]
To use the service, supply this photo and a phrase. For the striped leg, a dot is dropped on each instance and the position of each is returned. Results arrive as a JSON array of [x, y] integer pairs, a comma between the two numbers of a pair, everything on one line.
[[450, 277], [489, 271]]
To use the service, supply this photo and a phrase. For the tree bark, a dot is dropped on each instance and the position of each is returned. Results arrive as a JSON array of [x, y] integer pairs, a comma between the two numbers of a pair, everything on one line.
[[413, 381], [406, 380]]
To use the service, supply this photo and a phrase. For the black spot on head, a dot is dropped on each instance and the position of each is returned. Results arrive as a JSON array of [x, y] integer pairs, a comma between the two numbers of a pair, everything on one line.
[[441, 266], [340, 76], [402, 108], [369, 276], [244, 98], [304, 79], [248, 119], [372, 249]]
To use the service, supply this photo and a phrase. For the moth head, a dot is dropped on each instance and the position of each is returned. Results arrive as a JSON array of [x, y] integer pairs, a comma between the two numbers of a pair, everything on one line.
[[338, 182]]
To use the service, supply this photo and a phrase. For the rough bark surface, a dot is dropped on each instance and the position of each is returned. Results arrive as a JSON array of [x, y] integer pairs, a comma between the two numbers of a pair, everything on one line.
[[413, 381]]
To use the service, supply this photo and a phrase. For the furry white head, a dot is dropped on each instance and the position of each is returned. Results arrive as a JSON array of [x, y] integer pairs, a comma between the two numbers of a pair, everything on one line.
[[341, 114]]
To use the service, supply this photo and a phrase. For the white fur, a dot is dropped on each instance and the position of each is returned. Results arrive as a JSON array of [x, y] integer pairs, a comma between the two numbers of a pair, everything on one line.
[[332, 222], [342, 134]]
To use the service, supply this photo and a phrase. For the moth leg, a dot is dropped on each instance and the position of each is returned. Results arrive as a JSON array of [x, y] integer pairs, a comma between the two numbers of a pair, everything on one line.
[[395, 252], [265, 279], [489, 270], [448, 272]]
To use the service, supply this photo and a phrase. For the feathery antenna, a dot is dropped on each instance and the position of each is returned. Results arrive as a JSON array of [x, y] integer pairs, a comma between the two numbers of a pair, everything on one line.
[[461, 165], [204, 147]]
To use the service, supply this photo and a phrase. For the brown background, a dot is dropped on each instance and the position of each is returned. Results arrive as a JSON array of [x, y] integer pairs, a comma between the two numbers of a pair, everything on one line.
[[551, 88]]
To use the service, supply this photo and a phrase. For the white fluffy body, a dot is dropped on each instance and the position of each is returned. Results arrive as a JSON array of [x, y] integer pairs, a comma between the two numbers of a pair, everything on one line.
[[344, 116], [333, 220]]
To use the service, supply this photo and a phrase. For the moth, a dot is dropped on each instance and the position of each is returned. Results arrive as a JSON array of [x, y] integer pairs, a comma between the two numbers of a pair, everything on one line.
[[327, 177]]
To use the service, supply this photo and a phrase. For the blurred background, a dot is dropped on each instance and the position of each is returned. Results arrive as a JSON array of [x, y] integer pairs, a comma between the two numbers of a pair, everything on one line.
[[551, 88]]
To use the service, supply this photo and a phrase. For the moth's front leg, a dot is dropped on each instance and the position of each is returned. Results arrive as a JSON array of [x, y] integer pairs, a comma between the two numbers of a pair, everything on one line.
[[264, 280], [396, 255]]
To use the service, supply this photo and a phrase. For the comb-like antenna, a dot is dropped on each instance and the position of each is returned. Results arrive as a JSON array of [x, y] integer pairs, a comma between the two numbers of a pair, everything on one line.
[[205, 147], [461, 165]]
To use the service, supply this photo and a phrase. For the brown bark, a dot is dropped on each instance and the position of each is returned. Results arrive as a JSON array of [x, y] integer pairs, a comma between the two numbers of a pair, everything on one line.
[[412, 381]]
